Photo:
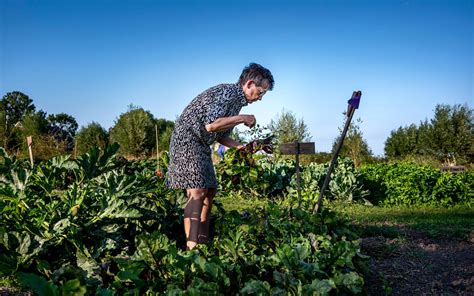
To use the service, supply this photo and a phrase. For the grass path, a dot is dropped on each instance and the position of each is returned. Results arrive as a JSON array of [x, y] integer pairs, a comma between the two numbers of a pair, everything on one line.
[[435, 222], [415, 251]]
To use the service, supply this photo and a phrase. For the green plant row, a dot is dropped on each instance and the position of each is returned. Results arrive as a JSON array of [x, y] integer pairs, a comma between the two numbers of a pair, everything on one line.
[[100, 225], [412, 184], [385, 184]]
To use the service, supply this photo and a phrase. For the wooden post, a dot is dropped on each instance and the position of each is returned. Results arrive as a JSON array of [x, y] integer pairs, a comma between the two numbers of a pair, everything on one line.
[[353, 104], [75, 148], [298, 174], [296, 149], [29, 141], [157, 149]]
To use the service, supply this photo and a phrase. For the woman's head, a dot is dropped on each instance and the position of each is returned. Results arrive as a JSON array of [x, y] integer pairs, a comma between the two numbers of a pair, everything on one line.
[[261, 76], [255, 81]]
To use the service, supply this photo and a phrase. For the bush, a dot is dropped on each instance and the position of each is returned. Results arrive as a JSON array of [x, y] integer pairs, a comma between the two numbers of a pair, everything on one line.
[[44, 147], [135, 132], [90, 136], [411, 184]]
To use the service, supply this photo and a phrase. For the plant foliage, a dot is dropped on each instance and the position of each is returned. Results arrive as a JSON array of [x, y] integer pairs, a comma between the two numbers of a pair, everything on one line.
[[103, 225]]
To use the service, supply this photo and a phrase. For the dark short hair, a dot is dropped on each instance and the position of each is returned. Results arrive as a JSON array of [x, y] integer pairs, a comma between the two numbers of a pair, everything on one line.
[[257, 73]]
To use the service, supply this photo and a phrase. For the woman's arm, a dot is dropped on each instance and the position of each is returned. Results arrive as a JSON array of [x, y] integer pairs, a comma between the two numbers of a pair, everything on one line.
[[225, 123]]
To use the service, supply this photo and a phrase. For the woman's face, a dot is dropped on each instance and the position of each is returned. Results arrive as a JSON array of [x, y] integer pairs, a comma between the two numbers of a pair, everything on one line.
[[253, 92]]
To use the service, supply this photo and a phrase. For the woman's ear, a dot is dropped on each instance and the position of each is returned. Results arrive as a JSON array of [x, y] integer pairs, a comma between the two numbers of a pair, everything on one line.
[[248, 84]]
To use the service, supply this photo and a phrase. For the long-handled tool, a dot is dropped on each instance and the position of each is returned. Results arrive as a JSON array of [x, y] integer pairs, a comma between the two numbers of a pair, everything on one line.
[[353, 104]]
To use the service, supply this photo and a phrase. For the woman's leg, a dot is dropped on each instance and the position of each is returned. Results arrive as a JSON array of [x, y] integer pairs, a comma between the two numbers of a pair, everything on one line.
[[192, 215], [205, 216]]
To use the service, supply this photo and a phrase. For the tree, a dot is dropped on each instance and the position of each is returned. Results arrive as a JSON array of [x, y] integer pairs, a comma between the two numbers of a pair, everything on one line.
[[403, 141], [354, 146], [3, 128], [165, 129], [90, 136], [13, 106], [63, 128], [452, 132], [287, 129], [33, 124], [45, 146], [134, 130], [448, 136]]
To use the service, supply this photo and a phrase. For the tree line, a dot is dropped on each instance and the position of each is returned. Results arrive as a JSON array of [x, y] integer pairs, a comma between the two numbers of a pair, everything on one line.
[[57, 134], [447, 137]]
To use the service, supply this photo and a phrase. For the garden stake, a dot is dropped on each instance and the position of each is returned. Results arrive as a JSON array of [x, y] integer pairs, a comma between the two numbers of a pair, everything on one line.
[[29, 141], [353, 104], [297, 148], [158, 168], [298, 174]]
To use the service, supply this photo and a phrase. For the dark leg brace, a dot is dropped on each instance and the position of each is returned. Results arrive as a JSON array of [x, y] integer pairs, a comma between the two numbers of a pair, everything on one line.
[[193, 212], [203, 239]]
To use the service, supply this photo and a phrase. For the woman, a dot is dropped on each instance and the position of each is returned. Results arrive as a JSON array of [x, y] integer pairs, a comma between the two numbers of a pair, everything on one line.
[[210, 117]]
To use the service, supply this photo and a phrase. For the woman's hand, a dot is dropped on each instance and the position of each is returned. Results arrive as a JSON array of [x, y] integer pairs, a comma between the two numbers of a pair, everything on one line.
[[248, 120]]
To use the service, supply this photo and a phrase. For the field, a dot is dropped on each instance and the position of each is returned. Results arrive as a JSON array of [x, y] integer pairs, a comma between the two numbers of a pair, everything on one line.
[[103, 225]]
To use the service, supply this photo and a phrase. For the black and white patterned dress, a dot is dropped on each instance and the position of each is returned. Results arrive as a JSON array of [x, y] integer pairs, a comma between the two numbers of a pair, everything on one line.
[[190, 153]]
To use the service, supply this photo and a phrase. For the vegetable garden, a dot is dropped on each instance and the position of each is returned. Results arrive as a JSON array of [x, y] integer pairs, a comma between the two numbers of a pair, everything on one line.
[[102, 225]]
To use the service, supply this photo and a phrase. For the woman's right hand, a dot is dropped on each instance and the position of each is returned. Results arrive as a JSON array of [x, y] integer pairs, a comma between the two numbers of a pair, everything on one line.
[[248, 120]]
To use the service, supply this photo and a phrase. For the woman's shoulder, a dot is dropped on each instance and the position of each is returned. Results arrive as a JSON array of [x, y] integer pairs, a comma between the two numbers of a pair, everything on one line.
[[221, 91], [222, 87]]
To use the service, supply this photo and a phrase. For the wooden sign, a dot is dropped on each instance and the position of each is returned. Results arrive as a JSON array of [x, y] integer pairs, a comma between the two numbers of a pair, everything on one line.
[[297, 148], [453, 169]]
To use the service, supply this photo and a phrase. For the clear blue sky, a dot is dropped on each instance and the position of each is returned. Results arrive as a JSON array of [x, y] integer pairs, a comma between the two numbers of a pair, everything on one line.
[[91, 59]]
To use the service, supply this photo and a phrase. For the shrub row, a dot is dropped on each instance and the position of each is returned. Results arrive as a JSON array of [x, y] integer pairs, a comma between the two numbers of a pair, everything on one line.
[[412, 184], [385, 184]]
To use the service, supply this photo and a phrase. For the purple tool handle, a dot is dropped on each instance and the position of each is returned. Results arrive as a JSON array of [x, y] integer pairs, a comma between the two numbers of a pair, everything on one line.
[[355, 100]]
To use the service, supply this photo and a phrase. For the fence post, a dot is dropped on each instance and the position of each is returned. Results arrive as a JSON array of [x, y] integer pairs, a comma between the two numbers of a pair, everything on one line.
[[353, 104], [29, 141], [157, 150]]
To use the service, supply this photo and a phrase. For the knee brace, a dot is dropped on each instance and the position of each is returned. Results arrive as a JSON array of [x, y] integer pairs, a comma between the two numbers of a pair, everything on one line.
[[192, 211]]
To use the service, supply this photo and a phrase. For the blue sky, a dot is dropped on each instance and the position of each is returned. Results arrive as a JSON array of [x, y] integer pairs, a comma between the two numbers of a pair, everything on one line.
[[91, 59]]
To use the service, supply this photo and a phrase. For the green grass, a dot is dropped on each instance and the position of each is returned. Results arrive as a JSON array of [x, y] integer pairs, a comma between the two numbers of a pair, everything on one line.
[[456, 222], [390, 222], [239, 202]]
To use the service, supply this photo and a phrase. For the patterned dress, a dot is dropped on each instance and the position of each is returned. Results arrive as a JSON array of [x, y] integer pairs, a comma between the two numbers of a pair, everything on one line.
[[190, 153]]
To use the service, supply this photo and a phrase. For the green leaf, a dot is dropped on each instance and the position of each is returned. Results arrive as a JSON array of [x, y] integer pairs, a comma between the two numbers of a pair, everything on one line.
[[151, 248], [131, 271], [61, 225], [117, 208], [73, 288], [89, 265], [351, 281], [104, 292], [25, 242], [8, 265], [282, 279], [254, 287], [319, 287], [38, 284]]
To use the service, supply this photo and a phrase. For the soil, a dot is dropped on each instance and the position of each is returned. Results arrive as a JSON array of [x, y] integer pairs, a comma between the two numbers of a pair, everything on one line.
[[416, 264]]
